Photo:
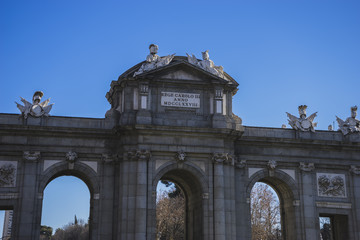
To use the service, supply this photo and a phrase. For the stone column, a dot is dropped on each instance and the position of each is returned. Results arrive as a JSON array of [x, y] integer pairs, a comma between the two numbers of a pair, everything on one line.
[[27, 219], [307, 197], [142, 157], [355, 175], [219, 198], [242, 203]]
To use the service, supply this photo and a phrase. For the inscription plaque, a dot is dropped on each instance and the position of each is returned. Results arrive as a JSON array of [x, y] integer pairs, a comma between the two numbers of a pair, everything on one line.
[[182, 100]]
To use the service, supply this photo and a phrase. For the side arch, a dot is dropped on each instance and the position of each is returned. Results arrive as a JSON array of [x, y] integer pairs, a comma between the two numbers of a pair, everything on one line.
[[80, 170], [280, 181], [287, 191], [89, 177]]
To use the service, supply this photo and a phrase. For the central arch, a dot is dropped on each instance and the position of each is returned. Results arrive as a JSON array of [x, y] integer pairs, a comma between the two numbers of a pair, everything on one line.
[[191, 181]]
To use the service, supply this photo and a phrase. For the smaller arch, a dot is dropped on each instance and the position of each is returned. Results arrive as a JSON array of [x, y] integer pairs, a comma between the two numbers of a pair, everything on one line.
[[287, 192], [280, 181], [80, 170]]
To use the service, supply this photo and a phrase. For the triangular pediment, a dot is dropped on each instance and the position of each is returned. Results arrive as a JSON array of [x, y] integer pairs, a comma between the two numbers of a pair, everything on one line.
[[179, 70]]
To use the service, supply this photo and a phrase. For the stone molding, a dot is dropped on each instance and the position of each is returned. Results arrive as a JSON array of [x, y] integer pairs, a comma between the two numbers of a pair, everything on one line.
[[306, 167], [137, 155], [340, 205], [31, 156]]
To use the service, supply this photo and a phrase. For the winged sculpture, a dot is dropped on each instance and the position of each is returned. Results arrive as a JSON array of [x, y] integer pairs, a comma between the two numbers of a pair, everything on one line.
[[35, 109], [351, 124], [154, 61], [206, 64], [302, 123]]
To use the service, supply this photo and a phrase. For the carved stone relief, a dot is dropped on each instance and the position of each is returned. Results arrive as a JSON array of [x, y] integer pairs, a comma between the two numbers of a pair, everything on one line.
[[8, 173], [331, 185], [71, 158], [180, 156], [272, 164]]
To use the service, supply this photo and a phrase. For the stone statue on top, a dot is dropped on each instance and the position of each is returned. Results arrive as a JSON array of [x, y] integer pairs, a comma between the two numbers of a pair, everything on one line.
[[154, 61], [303, 124], [351, 124], [206, 64], [35, 109]]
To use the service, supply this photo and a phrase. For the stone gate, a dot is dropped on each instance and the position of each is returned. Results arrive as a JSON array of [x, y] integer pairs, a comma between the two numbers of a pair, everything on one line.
[[171, 119]]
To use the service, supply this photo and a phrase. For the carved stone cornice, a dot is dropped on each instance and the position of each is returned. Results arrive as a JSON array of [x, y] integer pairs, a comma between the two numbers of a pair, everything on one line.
[[307, 167], [272, 164], [139, 155], [180, 156], [241, 164], [31, 156], [354, 170]]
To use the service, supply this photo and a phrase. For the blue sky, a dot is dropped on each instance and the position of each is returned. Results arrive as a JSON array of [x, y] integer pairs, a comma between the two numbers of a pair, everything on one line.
[[282, 53]]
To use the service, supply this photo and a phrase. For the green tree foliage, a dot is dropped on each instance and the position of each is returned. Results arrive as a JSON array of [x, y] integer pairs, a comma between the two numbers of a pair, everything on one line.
[[45, 232], [170, 216], [265, 213]]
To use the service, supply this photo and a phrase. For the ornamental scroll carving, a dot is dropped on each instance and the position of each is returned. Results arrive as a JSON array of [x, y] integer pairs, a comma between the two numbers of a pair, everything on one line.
[[355, 169], [331, 185], [31, 156], [241, 164], [306, 167], [139, 155], [224, 158]]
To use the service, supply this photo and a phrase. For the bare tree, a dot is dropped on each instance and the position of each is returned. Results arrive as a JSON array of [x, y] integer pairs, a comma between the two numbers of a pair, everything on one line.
[[265, 213], [72, 231], [170, 216]]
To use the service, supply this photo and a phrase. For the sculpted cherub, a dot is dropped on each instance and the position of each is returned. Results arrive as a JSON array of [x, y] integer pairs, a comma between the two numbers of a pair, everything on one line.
[[36, 109], [351, 124], [304, 124]]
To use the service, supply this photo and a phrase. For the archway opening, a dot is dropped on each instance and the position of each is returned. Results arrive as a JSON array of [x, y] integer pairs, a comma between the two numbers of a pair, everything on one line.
[[265, 213], [170, 211], [191, 191], [66, 209]]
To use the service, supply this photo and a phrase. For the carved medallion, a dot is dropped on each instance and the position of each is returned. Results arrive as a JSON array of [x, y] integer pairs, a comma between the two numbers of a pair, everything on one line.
[[331, 185]]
